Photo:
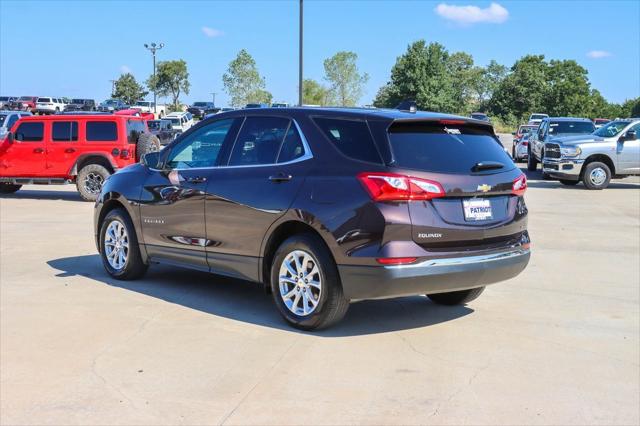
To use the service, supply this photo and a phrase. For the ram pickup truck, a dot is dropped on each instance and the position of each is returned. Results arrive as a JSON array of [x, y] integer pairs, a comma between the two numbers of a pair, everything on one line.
[[611, 151], [552, 128]]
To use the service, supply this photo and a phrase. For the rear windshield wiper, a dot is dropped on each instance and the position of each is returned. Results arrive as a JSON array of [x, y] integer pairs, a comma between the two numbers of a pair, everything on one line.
[[486, 165]]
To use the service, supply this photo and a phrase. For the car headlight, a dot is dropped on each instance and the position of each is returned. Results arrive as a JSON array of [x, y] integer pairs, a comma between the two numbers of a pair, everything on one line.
[[571, 151]]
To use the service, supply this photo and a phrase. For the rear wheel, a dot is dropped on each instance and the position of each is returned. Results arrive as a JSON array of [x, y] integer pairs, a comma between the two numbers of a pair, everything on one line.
[[90, 179], [456, 297], [532, 163], [596, 175], [9, 188], [569, 182], [306, 285], [147, 142], [119, 249]]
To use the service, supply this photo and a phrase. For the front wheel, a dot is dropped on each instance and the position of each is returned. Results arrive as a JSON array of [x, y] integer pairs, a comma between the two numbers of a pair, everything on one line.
[[119, 248], [596, 175], [9, 188], [306, 285], [456, 297], [89, 181]]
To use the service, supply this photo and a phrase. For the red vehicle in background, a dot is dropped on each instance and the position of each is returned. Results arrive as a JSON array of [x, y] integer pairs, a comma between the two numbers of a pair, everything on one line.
[[63, 149], [24, 103], [136, 112], [599, 122]]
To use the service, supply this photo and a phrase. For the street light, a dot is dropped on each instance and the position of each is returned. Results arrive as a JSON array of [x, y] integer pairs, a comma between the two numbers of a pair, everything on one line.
[[214, 97], [153, 48]]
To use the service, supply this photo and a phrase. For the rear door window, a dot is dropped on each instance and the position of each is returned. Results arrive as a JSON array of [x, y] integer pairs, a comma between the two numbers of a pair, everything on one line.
[[351, 137], [292, 146], [259, 141], [64, 131], [30, 132], [103, 131], [439, 148]]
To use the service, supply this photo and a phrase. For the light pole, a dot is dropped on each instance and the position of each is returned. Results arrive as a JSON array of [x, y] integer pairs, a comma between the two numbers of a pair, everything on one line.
[[214, 97], [153, 48], [300, 57]]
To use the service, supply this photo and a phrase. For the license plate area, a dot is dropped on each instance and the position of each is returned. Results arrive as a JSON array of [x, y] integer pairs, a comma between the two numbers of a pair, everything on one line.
[[477, 209]]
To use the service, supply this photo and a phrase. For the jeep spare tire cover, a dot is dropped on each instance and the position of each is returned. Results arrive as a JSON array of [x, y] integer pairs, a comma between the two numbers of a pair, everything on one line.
[[147, 142]]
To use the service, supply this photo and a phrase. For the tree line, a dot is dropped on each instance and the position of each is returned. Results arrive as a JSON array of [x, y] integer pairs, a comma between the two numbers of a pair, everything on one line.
[[430, 75]]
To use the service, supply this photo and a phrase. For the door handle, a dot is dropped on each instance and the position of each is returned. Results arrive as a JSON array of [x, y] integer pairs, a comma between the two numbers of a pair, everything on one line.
[[197, 179], [69, 150], [38, 150], [280, 177]]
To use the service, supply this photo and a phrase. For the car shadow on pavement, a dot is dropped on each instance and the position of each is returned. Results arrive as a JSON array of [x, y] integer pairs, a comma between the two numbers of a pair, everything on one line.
[[247, 302], [28, 194]]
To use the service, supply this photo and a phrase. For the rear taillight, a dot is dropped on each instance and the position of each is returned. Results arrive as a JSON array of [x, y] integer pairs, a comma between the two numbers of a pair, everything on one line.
[[125, 154], [519, 185], [525, 143], [394, 187]]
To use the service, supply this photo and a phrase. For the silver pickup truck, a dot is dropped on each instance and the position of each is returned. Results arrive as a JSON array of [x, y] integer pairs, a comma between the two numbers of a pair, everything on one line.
[[611, 151]]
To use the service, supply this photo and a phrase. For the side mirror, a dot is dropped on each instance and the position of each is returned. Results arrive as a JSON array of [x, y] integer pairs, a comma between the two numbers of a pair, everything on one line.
[[631, 135], [151, 159], [10, 138]]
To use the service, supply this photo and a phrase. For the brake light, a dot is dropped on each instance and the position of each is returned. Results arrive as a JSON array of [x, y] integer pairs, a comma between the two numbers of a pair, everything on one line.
[[451, 121], [124, 154], [519, 185], [394, 187], [395, 260], [525, 143]]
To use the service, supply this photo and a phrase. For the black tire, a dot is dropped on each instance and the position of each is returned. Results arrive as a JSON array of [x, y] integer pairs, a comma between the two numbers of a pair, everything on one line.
[[456, 297], [532, 163], [590, 181], [331, 305], [90, 179], [569, 182], [513, 154], [147, 142], [134, 267], [9, 188]]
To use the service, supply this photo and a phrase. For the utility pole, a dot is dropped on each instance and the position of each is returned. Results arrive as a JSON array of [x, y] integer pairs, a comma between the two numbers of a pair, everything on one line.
[[214, 97], [300, 56], [113, 87], [153, 48]]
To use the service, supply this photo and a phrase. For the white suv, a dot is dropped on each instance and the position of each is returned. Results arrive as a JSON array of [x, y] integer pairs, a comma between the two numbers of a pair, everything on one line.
[[181, 121], [48, 105]]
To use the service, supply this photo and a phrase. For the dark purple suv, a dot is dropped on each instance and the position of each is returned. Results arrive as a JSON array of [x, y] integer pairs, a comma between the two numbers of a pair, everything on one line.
[[324, 206]]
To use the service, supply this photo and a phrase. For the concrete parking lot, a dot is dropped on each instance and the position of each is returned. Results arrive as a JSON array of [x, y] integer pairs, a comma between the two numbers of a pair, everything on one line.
[[557, 345]]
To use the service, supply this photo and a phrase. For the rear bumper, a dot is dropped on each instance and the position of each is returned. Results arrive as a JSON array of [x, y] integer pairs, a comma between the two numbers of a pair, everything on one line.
[[432, 276]]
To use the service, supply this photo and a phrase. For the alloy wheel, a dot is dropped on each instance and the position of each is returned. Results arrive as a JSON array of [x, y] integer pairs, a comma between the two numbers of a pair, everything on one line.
[[300, 282], [93, 183], [116, 245]]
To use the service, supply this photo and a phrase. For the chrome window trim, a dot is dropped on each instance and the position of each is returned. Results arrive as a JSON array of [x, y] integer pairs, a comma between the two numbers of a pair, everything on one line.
[[306, 156]]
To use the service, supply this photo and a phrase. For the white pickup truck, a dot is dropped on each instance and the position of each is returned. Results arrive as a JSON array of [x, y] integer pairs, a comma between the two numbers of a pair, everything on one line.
[[147, 106]]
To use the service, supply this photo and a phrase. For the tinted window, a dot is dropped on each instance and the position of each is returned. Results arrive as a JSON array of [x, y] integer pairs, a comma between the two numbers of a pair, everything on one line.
[[537, 116], [351, 137], [2, 118], [44, 99], [134, 129], [153, 124], [570, 127], [64, 131], [30, 132], [259, 141], [200, 148], [435, 148], [12, 120], [292, 147], [102, 131]]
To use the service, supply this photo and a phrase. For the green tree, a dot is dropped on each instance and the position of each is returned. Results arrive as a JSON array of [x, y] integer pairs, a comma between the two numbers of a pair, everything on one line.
[[243, 82], [346, 81], [171, 79], [314, 93], [490, 79], [567, 89], [128, 89], [629, 108]]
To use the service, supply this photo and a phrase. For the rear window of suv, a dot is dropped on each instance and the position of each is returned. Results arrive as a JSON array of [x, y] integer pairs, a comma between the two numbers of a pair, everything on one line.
[[440, 148], [351, 137], [104, 131]]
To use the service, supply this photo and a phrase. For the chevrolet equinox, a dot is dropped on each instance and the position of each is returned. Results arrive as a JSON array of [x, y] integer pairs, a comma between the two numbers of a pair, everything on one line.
[[324, 207]]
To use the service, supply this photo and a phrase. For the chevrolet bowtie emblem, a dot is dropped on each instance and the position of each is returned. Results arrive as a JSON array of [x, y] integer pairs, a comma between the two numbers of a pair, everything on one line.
[[484, 187]]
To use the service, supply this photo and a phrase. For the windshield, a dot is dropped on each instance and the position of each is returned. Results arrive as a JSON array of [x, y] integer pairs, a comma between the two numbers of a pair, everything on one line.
[[524, 130], [611, 129], [537, 116], [571, 127], [435, 148], [77, 101], [479, 116], [174, 121], [200, 104], [110, 102], [153, 124], [25, 98], [143, 103]]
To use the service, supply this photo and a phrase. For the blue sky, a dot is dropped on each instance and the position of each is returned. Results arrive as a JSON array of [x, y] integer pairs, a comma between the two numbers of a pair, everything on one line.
[[74, 48]]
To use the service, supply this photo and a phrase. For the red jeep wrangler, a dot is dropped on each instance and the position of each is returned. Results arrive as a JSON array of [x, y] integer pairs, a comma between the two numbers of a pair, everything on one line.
[[61, 149]]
